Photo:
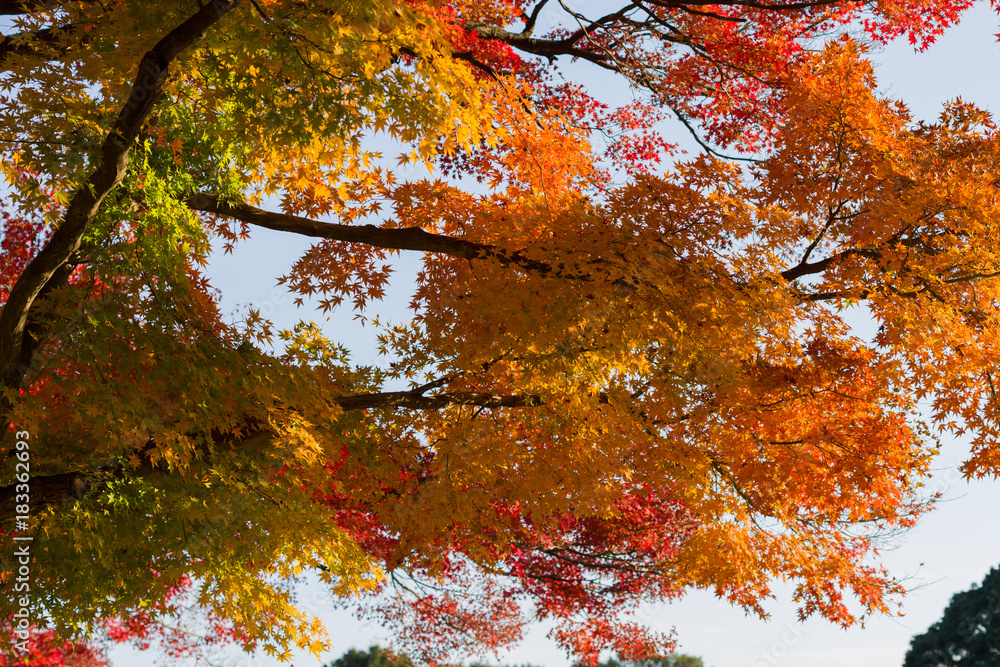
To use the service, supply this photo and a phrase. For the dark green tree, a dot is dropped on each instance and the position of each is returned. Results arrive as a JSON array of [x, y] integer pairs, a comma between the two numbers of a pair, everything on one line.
[[968, 635], [375, 656]]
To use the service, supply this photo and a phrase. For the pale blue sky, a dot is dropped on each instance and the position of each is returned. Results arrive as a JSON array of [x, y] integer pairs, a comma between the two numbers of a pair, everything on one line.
[[948, 551]]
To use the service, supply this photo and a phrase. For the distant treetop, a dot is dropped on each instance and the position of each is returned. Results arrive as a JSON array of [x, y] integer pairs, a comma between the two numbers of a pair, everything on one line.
[[968, 635]]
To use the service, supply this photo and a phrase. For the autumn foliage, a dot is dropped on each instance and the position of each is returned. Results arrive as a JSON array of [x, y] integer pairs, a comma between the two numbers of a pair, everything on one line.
[[45, 649], [628, 371]]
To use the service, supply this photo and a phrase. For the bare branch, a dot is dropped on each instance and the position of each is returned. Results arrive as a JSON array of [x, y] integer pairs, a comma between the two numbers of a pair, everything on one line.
[[752, 4], [530, 21]]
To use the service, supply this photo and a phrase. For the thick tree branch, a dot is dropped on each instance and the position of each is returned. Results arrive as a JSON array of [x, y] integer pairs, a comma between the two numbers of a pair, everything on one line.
[[15, 7], [44, 491], [408, 238], [415, 238], [30, 44], [546, 48], [416, 401], [922, 245], [35, 330], [67, 488], [111, 164], [812, 268]]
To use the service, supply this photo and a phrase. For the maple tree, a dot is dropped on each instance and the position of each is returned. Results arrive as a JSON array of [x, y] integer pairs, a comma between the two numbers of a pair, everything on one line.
[[621, 379]]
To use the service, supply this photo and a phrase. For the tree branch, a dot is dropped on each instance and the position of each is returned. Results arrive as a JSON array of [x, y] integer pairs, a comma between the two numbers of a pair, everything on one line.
[[416, 401], [811, 268], [15, 7], [546, 48], [28, 43], [529, 21], [752, 4], [45, 491], [111, 165], [407, 238], [68, 488]]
